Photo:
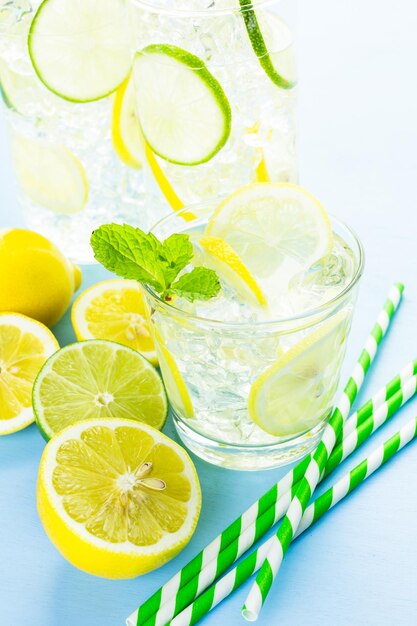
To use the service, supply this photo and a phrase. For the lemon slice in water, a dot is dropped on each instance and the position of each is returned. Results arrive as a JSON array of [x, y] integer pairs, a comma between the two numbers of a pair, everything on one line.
[[175, 385], [296, 393]]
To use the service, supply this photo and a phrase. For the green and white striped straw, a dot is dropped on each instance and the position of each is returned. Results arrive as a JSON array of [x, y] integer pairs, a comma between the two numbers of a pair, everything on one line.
[[180, 590], [251, 534], [288, 527], [250, 564]]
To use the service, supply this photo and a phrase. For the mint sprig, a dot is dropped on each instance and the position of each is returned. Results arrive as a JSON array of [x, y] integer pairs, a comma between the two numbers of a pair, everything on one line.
[[129, 252]]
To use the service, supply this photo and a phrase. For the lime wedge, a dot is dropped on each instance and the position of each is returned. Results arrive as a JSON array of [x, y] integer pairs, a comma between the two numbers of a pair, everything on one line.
[[260, 48], [49, 174], [183, 111], [78, 48], [95, 379], [296, 393]]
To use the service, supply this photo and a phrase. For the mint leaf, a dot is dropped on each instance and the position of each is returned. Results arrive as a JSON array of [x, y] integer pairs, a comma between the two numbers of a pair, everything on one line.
[[130, 253], [178, 252], [199, 284]]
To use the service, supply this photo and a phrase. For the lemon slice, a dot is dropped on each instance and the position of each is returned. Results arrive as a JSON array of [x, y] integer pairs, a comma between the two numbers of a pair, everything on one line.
[[127, 138], [24, 347], [97, 378], [49, 174], [229, 265], [270, 223], [114, 310], [296, 393], [177, 390], [117, 498]]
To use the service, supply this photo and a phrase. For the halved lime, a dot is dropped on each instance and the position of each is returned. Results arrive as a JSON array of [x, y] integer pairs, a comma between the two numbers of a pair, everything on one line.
[[296, 393], [97, 378], [79, 48], [183, 111], [49, 174], [260, 47]]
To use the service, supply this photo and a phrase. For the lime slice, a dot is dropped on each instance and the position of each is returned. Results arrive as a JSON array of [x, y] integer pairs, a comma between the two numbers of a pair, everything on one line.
[[183, 111], [224, 260], [127, 138], [270, 223], [79, 48], [117, 498], [260, 48], [24, 347], [97, 378], [176, 388], [296, 393], [114, 310], [49, 174]]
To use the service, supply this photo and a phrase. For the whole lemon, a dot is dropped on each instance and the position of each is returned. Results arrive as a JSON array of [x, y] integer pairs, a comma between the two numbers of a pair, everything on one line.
[[35, 278]]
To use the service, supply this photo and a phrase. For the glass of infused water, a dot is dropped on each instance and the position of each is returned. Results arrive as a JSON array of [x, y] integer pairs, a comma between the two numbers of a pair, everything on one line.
[[75, 143], [216, 94], [251, 374]]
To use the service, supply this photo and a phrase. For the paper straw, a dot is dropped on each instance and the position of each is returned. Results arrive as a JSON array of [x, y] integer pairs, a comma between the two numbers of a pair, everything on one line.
[[288, 527], [180, 590], [213, 569], [250, 564]]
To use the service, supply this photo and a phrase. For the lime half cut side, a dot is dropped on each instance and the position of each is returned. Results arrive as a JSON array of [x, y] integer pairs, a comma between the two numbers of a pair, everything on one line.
[[79, 48], [97, 379], [296, 393], [183, 111]]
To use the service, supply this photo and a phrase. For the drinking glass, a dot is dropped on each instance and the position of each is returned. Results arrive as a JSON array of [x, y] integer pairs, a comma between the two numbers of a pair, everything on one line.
[[214, 362], [216, 95]]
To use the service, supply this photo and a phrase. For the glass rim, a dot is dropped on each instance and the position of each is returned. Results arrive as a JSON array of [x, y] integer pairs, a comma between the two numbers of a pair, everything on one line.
[[309, 314], [152, 6]]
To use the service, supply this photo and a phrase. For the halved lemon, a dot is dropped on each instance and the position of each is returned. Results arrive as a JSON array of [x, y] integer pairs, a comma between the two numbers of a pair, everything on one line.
[[269, 223], [114, 310], [127, 138], [223, 258], [49, 174], [117, 498], [296, 393], [97, 379], [24, 347], [177, 390]]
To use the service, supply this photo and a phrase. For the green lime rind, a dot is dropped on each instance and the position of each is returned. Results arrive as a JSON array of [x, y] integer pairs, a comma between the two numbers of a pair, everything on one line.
[[47, 432], [198, 66], [259, 46], [32, 35]]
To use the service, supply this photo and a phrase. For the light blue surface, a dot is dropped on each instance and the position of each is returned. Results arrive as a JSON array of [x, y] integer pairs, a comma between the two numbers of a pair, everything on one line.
[[358, 566]]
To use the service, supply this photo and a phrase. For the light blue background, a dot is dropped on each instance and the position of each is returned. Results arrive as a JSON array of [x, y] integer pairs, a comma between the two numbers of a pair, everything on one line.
[[358, 566]]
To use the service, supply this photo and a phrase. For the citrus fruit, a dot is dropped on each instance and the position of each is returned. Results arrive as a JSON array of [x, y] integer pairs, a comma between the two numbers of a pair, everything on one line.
[[35, 278], [127, 138], [184, 113], [97, 379], [178, 393], [79, 48], [270, 223], [117, 498], [225, 261], [296, 393], [115, 310], [49, 174], [24, 347]]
